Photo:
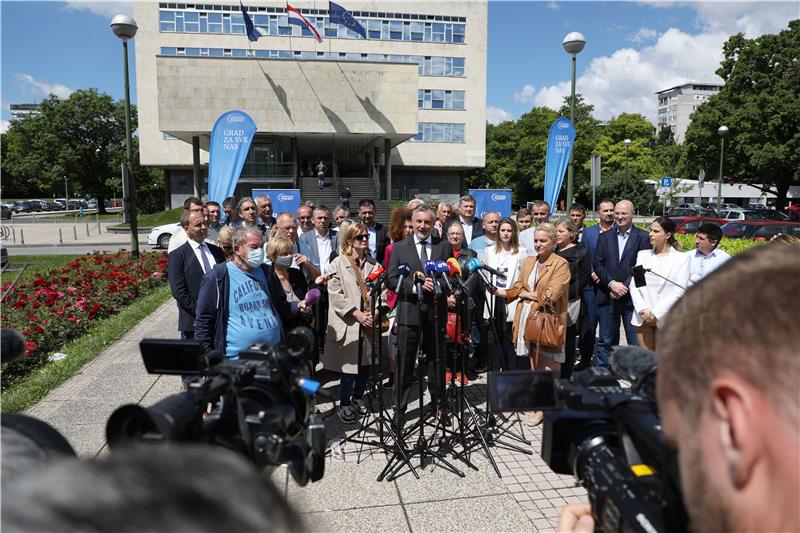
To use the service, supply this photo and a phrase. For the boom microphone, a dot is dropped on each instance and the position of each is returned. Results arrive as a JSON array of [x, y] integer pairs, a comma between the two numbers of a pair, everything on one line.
[[455, 273], [443, 269], [632, 363], [473, 265], [403, 270], [312, 297], [375, 274], [430, 271]]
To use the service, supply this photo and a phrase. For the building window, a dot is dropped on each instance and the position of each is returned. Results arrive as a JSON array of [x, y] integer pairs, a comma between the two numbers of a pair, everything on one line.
[[439, 132], [440, 99]]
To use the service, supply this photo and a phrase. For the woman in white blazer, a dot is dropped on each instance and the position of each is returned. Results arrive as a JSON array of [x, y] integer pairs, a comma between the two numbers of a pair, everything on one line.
[[506, 256], [666, 278]]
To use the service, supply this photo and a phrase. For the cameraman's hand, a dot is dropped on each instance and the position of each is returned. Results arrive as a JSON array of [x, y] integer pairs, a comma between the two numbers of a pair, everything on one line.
[[577, 518]]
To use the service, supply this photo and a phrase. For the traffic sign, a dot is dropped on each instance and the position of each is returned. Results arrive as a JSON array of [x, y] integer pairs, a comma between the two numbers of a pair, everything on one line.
[[666, 183]]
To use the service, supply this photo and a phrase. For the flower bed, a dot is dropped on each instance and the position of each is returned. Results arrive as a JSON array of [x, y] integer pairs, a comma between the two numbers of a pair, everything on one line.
[[59, 305]]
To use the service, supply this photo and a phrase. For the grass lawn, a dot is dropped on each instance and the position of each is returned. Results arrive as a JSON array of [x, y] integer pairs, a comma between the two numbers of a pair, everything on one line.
[[157, 219], [33, 387], [38, 263]]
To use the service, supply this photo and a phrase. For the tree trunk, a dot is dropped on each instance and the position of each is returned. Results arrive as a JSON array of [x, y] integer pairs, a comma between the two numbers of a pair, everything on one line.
[[101, 205], [782, 191]]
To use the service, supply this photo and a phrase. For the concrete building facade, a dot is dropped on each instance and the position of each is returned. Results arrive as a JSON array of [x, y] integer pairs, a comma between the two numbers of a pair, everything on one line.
[[676, 105], [415, 89]]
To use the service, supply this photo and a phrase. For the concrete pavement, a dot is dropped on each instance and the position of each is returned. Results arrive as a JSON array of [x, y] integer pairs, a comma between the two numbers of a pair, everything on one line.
[[65, 237], [528, 497]]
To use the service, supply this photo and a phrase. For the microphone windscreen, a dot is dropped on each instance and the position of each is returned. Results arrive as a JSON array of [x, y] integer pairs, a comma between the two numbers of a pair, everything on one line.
[[312, 296], [403, 269], [638, 276], [473, 264], [430, 266], [375, 274], [632, 362], [454, 266], [442, 267], [13, 345]]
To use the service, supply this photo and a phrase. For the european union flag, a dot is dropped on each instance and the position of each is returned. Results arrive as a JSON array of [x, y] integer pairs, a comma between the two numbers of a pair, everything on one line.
[[253, 33], [340, 15]]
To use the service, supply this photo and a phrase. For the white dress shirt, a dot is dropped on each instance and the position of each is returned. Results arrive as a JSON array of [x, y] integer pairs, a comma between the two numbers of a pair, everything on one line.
[[428, 247], [324, 250], [701, 265], [467, 229], [622, 238], [373, 239], [198, 250]]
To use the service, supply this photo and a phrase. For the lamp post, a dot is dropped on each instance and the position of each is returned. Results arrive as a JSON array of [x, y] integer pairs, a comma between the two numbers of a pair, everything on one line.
[[573, 43], [125, 28], [722, 132], [627, 143], [66, 193]]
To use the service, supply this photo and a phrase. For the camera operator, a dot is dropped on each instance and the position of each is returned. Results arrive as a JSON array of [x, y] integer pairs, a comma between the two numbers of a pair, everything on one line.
[[237, 306], [727, 392]]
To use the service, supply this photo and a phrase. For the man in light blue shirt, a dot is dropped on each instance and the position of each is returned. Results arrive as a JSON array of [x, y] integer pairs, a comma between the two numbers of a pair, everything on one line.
[[491, 222], [707, 257]]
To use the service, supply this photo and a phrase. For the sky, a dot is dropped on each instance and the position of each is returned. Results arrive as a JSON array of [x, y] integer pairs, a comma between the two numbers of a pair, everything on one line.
[[633, 49]]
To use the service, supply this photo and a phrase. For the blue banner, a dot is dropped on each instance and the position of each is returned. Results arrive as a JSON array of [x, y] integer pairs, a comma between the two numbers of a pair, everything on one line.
[[486, 200], [230, 141], [282, 199], [559, 147]]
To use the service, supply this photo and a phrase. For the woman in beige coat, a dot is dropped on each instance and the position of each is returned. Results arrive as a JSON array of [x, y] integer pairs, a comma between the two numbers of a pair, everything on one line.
[[349, 320], [547, 275]]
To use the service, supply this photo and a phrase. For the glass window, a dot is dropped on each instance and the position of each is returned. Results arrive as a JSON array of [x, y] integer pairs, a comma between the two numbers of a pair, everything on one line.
[[179, 22], [458, 66], [437, 99], [458, 133], [374, 29], [168, 50], [167, 20], [239, 52], [226, 23], [331, 29], [180, 51], [428, 31], [458, 99], [191, 22], [438, 32], [396, 30], [273, 25], [237, 24], [437, 66], [417, 31], [215, 23]]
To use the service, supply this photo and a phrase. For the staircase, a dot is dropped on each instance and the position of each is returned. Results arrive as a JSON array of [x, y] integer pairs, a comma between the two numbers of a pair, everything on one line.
[[360, 187]]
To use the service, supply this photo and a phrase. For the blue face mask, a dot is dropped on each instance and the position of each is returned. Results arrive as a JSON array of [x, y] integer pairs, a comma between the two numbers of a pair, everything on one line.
[[255, 257]]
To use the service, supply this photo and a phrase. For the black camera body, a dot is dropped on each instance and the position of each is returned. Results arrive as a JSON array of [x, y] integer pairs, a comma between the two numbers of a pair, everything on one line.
[[609, 438], [262, 404]]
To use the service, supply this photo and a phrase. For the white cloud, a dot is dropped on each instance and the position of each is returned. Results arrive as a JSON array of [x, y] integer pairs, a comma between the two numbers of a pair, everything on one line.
[[626, 80], [105, 9], [644, 34], [496, 115], [4, 126], [526, 95], [31, 87], [553, 6]]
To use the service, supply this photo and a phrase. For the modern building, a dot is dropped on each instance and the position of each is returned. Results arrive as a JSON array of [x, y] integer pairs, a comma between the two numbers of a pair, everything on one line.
[[689, 191], [415, 89], [676, 105], [18, 111]]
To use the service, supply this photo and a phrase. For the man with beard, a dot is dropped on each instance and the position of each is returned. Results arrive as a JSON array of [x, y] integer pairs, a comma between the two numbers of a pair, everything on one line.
[[540, 211], [727, 392]]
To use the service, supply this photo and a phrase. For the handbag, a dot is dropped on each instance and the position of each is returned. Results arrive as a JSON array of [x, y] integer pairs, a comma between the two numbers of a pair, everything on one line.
[[544, 326], [362, 286]]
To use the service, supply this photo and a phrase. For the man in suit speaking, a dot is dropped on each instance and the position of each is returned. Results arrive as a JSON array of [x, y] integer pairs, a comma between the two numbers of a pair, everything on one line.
[[615, 256], [417, 327], [186, 267]]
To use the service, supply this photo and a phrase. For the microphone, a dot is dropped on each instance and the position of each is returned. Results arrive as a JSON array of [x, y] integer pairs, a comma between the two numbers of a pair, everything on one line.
[[633, 363], [375, 274], [638, 276], [312, 297], [473, 265], [455, 273], [443, 269], [454, 267], [403, 270], [12, 345], [430, 271]]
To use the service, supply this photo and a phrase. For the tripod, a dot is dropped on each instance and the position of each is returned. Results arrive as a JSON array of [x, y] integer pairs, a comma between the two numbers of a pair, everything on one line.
[[377, 415], [422, 448]]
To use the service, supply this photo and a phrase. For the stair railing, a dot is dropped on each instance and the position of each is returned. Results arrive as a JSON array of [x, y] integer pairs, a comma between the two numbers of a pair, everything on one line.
[[336, 179]]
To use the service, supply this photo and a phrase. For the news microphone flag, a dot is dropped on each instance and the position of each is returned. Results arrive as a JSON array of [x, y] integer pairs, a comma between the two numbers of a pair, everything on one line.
[[296, 18], [253, 33], [340, 15]]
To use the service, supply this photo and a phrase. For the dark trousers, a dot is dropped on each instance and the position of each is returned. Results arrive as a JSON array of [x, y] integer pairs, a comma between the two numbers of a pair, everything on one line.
[[569, 351], [610, 316], [349, 382], [589, 332], [500, 343], [408, 339]]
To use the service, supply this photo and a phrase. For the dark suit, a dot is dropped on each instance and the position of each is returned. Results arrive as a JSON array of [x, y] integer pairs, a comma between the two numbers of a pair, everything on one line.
[[310, 248], [381, 242], [610, 266], [416, 325], [185, 272], [589, 239]]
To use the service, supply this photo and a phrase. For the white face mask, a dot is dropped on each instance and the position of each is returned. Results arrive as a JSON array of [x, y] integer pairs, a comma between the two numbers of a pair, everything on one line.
[[255, 257]]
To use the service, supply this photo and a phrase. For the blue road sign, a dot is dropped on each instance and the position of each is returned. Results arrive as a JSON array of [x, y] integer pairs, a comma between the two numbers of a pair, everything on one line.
[[666, 183]]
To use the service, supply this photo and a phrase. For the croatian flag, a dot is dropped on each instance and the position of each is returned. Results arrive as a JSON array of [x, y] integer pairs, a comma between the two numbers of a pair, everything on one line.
[[295, 17], [253, 33], [340, 15]]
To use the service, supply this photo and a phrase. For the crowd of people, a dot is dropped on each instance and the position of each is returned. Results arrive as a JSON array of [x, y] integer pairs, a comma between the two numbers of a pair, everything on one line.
[[243, 280]]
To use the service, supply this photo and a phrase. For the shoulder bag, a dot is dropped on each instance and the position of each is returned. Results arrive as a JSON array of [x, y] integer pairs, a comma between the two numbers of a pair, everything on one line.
[[544, 326]]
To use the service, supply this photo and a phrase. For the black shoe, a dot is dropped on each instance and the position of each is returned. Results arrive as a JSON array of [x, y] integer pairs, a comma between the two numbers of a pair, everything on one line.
[[583, 365], [443, 417], [472, 375], [389, 383], [399, 421]]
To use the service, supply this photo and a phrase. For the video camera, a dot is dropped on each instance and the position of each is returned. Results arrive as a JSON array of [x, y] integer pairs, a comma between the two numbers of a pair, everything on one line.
[[607, 436], [262, 404]]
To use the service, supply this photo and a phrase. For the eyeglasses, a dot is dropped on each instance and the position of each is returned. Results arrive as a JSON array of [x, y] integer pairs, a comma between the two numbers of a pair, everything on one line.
[[304, 218], [361, 238]]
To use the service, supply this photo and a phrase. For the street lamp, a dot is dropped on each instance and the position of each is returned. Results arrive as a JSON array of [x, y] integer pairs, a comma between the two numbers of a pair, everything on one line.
[[66, 193], [125, 28], [722, 132], [573, 44], [627, 143]]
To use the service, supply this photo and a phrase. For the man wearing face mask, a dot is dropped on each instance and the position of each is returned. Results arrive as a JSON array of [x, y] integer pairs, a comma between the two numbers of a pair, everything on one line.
[[237, 306]]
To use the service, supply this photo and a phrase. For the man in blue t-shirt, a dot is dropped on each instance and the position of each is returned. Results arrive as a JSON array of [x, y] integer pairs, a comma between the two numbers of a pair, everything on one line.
[[241, 303]]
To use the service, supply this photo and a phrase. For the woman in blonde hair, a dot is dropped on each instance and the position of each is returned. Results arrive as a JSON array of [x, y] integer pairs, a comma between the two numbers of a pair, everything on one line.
[[280, 252], [225, 240], [543, 281], [348, 339]]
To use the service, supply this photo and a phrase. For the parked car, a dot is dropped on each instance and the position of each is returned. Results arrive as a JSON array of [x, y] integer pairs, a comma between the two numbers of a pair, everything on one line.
[[760, 230], [49, 206], [742, 214], [692, 224], [755, 207], [5, 212], [691, 212], [11, 205], [28, 206], [159, 236], [725, 206], [774, 214]]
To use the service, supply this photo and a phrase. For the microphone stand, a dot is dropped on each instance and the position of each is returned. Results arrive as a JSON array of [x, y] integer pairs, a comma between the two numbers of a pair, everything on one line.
[[657, 275]]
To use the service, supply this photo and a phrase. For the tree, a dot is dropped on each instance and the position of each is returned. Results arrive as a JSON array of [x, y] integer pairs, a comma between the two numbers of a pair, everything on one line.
[[82, 138], [760, 104]]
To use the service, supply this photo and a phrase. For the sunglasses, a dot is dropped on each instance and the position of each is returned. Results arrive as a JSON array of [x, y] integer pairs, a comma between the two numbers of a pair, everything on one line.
[[361, 238]]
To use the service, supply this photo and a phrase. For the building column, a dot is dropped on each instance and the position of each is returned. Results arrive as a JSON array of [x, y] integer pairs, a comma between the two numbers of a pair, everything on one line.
[[387, 161], [196, 165], [296, 158]]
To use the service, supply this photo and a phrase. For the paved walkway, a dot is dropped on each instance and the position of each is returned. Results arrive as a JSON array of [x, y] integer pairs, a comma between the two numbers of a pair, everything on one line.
[[84, 231], [528, 497]]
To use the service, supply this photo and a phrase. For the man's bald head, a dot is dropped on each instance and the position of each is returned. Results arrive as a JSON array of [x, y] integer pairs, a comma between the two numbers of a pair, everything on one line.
[[623, 214]]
